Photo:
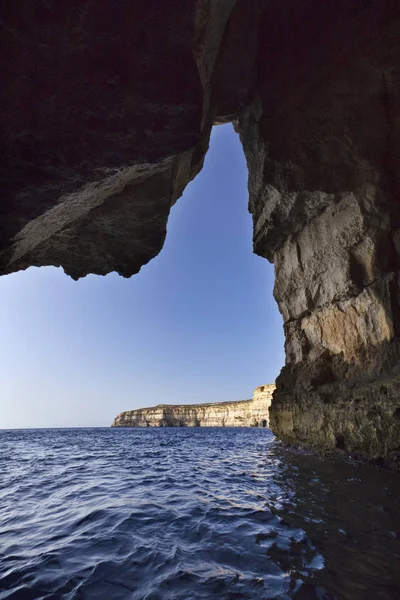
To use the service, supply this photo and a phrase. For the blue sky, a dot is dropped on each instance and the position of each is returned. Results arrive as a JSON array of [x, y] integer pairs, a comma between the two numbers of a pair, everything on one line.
[[197, 324]]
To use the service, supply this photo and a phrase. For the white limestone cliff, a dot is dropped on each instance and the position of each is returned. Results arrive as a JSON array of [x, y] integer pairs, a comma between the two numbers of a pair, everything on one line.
[[241, 413]]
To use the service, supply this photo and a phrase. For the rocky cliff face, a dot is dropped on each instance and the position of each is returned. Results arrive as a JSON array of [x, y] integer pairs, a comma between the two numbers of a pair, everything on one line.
[[242, 413], [106, 113], [322, 140]]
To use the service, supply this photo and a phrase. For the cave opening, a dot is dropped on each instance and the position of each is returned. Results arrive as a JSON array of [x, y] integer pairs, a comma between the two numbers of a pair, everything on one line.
[[197, 324]]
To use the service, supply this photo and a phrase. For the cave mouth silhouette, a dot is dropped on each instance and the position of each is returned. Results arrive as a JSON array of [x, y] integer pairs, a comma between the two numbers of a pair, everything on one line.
[[200, 309]]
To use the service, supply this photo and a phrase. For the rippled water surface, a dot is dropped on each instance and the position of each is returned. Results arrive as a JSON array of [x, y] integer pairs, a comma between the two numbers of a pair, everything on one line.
[[191, 514]]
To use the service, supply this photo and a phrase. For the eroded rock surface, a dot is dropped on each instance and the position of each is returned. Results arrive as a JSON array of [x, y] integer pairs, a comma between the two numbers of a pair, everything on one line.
[[322, 140], [106, 112], [241, 413]]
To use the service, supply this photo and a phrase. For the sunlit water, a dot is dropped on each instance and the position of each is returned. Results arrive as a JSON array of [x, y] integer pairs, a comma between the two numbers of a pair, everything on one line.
[[191, 514]]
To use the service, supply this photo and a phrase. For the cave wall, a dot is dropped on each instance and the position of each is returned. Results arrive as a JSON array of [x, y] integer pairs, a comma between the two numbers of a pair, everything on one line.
[[106, 112], [321, 134]]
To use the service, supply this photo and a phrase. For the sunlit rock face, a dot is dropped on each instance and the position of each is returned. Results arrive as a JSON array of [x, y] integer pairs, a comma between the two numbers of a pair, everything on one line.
[[106, 113], [321, 137], [242, 413]]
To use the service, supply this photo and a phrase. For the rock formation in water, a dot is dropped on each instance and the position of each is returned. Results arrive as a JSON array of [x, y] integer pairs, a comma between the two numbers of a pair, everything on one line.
[[240, 413], [322, 138], [106, 111]]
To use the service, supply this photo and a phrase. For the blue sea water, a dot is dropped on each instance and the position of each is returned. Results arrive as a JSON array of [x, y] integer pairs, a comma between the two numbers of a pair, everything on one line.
[[191, 514]]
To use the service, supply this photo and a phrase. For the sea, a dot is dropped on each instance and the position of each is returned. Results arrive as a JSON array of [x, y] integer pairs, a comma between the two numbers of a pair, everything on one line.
[[191, 514]]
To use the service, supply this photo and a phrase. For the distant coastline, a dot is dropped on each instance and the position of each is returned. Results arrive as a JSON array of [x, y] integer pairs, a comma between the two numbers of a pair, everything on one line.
[[253, 412]]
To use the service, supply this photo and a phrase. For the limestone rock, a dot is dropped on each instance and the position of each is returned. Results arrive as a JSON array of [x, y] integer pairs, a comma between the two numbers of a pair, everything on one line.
[[241, 413], [322, 140], [106, 113]]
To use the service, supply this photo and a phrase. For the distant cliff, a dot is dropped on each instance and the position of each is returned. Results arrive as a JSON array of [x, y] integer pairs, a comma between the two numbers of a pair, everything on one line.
[[240, 413]]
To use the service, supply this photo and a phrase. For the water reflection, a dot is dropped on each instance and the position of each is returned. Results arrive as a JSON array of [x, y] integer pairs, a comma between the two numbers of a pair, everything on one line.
[[351, 512]]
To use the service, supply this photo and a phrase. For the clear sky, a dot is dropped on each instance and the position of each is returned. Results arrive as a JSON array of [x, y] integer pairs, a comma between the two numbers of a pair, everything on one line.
[[197, 324]]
